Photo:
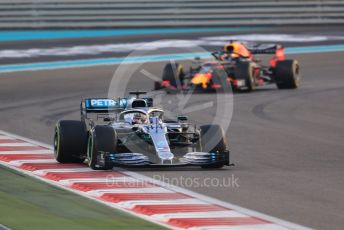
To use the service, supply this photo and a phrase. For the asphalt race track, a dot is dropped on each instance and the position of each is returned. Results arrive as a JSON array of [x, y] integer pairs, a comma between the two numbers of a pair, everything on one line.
[[287, 145]]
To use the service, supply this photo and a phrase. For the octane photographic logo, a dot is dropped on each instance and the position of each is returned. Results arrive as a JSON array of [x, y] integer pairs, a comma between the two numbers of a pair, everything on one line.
[[143, 67]]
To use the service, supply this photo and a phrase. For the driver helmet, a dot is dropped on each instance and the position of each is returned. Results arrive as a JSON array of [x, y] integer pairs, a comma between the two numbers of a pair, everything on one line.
[[139, 118]]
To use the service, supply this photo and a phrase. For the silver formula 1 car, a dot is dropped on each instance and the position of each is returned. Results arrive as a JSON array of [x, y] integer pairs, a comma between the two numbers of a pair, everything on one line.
[[131, 132]]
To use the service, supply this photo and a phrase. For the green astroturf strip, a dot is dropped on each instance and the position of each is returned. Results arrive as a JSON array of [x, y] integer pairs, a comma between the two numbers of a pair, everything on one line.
[[26, 203]]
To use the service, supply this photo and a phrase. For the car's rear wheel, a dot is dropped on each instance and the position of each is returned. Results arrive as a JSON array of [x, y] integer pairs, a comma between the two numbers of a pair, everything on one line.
[[101, 139], [213, 141], [70, 141], [245, 71], [174, 73], [287, 74]]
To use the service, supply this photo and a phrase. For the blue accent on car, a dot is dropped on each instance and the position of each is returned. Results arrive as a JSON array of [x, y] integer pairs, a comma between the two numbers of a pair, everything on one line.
[[105, 103]]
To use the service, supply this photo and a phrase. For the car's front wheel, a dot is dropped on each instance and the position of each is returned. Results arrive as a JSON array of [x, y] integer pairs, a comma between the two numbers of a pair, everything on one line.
[[213, 141], [103, 139], [174, 74], [245, 71]]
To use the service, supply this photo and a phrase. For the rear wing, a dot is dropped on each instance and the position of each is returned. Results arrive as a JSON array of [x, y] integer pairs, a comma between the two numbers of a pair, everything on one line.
[[264, 48], [276, 49], [102, 106]]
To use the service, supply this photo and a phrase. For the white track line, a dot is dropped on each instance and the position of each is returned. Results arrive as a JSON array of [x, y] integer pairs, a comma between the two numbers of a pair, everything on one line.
[[42, 151], [166, 217], [20, 162], [43, 172], [132, 204], [155, 45], [112, 180], [16, 144], [3, 137], [85, 195], [163, 188], [243, 227], [99, 192], [286, 224], [14, 136]]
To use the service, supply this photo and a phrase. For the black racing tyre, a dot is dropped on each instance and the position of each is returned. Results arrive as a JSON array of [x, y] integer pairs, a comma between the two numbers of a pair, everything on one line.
[[213, 140], [174, 73], [287, 74], [157, 85], [104, 139], [70, 140], [220, 77], [244, 71]]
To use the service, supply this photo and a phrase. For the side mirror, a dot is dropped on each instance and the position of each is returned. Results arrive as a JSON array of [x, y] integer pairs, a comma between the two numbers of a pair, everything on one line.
[[149, 100], [182, 118], [197, 58], [108, 119]]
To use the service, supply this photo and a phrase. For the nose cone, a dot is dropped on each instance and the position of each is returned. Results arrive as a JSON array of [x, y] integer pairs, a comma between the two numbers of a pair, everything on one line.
[[159, 138]]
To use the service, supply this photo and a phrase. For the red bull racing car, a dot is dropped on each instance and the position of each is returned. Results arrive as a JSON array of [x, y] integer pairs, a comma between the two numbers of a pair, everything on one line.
[[236, 66]]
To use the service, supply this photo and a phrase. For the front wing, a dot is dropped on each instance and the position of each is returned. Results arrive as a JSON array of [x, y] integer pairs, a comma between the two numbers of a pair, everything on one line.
[[189, 159]]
